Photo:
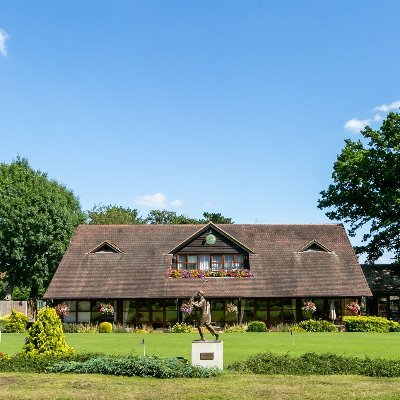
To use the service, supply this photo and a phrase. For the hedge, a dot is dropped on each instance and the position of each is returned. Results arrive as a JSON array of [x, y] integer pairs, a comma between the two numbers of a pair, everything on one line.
[[135, 366], [91, 363], [311, 325], [370, 324], [316, 364]]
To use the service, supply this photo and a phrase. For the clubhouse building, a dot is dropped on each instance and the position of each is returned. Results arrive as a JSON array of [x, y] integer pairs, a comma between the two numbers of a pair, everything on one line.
[[268, 272]]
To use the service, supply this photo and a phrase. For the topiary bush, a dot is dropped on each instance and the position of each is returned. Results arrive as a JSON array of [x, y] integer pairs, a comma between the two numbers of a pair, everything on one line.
[[370, 324], [256, 326], [46, 336], [311, 325], [15, 322], [105, 327], [181, 328]]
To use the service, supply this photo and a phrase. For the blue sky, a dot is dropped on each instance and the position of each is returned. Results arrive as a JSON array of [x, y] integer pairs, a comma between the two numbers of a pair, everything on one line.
[[239, 107]]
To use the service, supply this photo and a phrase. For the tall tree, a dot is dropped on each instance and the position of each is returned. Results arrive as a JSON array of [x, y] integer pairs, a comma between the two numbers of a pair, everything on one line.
[[37, 219], [171, 217], [366, 188], [112, 214], [168, 217], [217, 218]]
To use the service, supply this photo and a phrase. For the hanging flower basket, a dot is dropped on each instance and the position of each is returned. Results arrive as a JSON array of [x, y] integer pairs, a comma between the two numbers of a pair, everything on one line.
[[106, 309], [186, 308], [309, 306], [61, 309], [230, 308], [354, 307]]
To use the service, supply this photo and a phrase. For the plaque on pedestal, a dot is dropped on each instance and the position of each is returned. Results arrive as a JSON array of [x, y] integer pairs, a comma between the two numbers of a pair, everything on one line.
[[208, 353]]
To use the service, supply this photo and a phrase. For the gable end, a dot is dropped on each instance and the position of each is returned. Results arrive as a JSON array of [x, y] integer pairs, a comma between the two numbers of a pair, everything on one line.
[[223, 242]]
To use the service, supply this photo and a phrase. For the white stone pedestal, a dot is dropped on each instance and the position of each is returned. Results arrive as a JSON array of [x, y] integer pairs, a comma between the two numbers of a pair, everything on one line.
[[208, 353]]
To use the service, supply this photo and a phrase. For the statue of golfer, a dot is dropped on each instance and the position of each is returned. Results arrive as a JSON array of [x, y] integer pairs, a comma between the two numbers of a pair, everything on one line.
[[201, 304]]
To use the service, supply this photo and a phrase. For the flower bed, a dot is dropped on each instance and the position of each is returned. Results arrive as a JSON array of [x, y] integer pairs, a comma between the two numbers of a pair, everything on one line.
[[182, 273]]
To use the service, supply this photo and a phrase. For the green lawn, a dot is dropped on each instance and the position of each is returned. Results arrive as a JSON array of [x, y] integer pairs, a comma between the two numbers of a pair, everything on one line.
[[24, 386], [236, 345], [17, 386]]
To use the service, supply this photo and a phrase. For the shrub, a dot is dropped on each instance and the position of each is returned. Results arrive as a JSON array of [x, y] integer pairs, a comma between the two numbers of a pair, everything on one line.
[[281, 328], [135, 366], [119, 328], [235, 328], [316, 364], [70, 327], [257, 326], [2, 323], [370, 324], [297, 328], [311, 325], [87, 328], [144, 329], [46, 335], [181, 328], [39, 363], [105, 327], [15, 322]]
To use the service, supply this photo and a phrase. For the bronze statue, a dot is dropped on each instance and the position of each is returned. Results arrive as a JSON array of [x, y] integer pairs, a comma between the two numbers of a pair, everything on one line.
[[201, 304]]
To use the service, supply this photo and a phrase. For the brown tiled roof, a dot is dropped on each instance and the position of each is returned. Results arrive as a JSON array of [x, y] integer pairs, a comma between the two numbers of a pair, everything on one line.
[[279, 268], [382, 278]]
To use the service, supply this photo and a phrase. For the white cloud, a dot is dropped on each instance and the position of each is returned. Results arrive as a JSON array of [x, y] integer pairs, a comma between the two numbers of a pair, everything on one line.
[[156, 200], [388, 107], [177, 203], [377, 118], [3, 39], [356, 125]]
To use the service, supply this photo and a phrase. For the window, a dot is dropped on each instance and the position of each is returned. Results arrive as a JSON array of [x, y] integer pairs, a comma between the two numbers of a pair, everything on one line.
[[181, 262], [229, 263], [107, 247], [191, 262], [314, 246], [188, 262], [238, 261], [215, 262]]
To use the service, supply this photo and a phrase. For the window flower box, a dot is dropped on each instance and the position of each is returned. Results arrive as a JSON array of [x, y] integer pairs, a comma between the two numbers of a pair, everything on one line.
[[183, 273]]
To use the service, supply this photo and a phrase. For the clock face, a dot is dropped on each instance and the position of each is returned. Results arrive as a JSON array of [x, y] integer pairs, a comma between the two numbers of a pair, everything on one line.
[[210, 239]]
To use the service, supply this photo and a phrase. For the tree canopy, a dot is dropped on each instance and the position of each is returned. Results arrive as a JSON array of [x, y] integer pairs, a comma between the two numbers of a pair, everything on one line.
[[366, 188], [112, 214], [171, 217], [38, 217], [217, 218]]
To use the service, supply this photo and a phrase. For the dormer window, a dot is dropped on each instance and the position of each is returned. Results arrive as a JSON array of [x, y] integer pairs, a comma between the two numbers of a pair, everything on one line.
[[106, 248], [213, 262], [314, 246]]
